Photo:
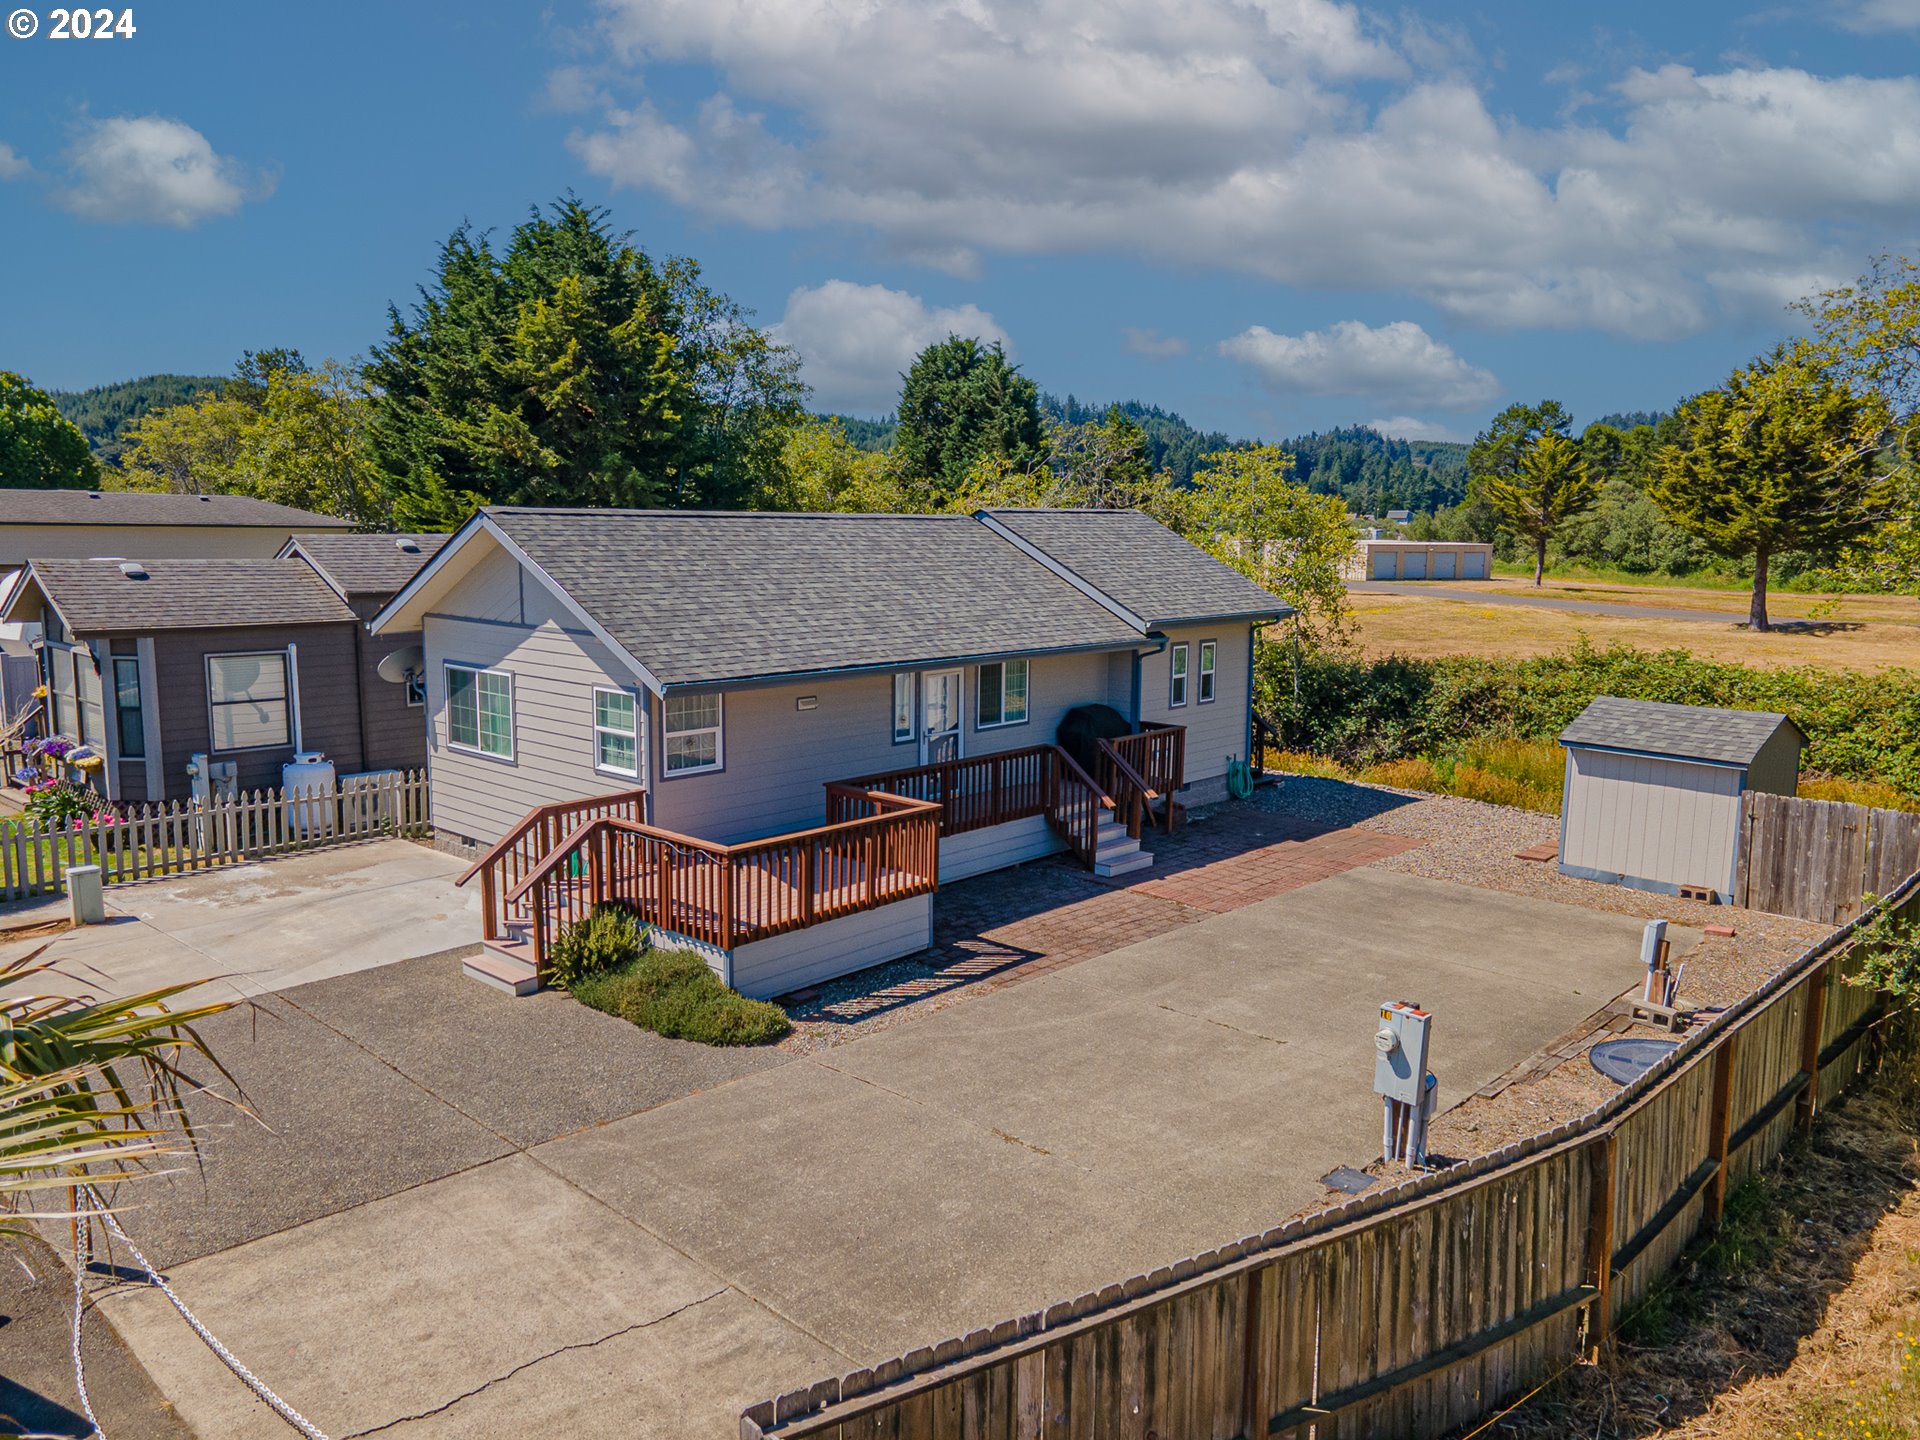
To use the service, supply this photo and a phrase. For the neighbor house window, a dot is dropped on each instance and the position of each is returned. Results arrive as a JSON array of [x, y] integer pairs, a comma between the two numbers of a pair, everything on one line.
[[126, 708], [247, 703], [902, 709], [1003, 694], [1207, 650], [416, 689], [691, 738], [93, 701], [1177, 691], [480, 711], [616, 732], [62, 692]]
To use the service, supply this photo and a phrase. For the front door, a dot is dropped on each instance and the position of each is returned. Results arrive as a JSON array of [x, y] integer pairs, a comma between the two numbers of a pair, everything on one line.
[[940, 711]]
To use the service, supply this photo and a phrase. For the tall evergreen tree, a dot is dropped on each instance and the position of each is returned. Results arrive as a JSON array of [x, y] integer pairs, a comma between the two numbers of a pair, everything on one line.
[[964, 402], [39, 448], [569, 369], [1784, 456]]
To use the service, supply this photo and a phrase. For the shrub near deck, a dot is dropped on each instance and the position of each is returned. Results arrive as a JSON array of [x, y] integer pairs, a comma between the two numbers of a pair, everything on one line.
[[674, 993]]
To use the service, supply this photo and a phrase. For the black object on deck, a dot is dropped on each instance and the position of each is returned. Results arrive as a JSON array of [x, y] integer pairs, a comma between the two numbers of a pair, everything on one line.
[[1084, 726]]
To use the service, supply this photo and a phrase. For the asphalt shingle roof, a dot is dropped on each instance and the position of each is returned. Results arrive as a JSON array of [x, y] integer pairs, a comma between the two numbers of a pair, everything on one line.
[[96, 597], [1141, 564], [369, 564], [1680, 732], [707, 597], [139, 507]]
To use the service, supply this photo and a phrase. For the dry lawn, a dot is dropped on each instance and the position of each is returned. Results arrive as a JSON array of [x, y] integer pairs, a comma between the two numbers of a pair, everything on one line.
[[1430, 629]]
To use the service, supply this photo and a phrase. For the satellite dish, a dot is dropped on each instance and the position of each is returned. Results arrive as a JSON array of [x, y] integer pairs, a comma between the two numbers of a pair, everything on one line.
[[402, 665]]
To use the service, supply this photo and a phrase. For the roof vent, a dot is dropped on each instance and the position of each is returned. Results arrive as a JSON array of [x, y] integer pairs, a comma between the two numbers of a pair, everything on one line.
[[204, 499], [133, 570], [406, 544], [93, 494]]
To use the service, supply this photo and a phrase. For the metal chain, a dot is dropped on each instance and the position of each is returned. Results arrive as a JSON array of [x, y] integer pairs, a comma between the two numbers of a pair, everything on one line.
[[82, 1258], [253, 1382]]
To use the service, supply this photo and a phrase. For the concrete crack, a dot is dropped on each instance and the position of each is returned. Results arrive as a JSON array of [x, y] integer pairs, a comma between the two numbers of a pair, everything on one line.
[[1209, 1020], [528, 1364]]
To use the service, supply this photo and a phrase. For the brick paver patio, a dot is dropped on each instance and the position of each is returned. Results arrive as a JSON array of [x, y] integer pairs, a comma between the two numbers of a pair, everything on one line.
[[999, 929]]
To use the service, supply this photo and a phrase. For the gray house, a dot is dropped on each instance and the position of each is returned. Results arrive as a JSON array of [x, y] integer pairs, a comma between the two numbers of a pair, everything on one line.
[[1653, 791], [187, 675], [724, 686]]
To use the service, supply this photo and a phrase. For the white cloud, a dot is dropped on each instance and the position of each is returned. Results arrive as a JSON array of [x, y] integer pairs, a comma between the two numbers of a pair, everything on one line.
[[1398, 363], [1871, 15], [1408, 427], [152, 170], [12, 164], [1152, 344], [855, 341], [1292, 139]]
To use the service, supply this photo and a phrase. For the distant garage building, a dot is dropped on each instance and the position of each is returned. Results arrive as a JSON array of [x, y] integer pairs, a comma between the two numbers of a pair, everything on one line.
[[1653, 791], [1421, 560]]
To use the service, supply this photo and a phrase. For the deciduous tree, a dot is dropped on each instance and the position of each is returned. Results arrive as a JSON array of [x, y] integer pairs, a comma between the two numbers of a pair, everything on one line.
[[39, 448]]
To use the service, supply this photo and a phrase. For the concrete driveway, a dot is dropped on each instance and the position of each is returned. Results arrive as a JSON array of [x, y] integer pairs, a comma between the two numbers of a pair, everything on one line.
[[272, 925], [532, 1219]]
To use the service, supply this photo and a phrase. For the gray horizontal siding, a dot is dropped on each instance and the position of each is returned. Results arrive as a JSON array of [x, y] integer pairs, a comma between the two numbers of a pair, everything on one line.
[[477, 797], [1217, 731], [839, 947], [997, 847]]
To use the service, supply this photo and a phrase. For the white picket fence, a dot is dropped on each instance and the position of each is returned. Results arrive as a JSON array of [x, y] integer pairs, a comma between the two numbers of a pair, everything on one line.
[[176, 838]]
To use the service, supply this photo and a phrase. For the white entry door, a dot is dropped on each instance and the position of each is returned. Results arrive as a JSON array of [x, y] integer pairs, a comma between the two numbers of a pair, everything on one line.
[[941, 706]]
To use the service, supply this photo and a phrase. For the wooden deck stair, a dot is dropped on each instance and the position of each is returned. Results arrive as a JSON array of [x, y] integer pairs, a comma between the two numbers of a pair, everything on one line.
[[1116, 852]]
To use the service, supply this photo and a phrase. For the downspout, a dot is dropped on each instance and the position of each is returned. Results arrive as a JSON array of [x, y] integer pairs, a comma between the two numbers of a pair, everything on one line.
[[1253, 639], [1138, 656], [360, 689], [293, 694]]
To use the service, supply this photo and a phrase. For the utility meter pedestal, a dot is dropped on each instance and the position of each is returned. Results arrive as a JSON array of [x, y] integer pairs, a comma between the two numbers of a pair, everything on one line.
[[1401, 1079]]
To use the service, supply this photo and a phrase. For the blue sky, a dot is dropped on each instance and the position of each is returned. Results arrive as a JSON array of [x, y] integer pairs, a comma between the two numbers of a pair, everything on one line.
[[1268, 216]]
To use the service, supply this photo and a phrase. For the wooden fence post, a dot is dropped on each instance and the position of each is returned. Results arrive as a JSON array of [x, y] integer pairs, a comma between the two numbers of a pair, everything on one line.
[[1816, 1015], [1256, 1371], [1721, 1130], [1605, 1162]]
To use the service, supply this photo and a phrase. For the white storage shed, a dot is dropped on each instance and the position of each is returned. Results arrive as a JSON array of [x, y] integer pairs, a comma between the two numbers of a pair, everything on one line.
[[1653, 791]]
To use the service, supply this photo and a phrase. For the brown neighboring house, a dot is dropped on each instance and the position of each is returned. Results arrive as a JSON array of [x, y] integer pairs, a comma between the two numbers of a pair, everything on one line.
[[245, 662]]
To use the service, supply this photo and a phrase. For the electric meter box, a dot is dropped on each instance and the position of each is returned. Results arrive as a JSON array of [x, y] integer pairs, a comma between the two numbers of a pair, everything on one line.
[[1400, 1046]]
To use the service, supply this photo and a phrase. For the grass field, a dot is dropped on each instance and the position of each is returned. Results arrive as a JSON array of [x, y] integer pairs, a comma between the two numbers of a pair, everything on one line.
[[1864, 632]]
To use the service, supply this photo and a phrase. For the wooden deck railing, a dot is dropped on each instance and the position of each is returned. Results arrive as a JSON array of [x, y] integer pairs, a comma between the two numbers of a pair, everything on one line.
[[727, 896], [1157, 755], [505, 864], [986, 790]]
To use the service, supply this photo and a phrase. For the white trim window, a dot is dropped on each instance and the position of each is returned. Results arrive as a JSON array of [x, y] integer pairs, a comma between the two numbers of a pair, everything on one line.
[[248, 707], [1177, 676], [1209, 651], [1003, 694], [480, 711], [690, 733], [616, 732], [903, 709]]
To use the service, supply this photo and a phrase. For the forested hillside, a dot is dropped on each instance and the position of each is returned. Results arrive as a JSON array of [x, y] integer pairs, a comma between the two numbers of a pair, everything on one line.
[[104, 412]]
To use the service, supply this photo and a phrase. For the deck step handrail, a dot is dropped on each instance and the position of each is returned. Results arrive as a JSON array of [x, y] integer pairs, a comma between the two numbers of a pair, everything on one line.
[[541, 815], [1119, 778], [1158, 754]]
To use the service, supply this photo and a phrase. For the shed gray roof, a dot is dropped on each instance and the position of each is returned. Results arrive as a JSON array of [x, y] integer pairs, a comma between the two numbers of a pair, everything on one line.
[[140, 507], [95, 597], [1678, 732], [361, 564], [709, 597], [1141, 564]]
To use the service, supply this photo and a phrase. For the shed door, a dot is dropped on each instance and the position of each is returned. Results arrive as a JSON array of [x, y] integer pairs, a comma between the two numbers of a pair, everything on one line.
[[1443, 564], [1476, 565], [1382, 565], [1413, 565]]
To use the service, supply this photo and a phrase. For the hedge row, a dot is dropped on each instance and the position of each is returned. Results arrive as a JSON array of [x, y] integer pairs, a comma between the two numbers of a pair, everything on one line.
[[1365, 712]]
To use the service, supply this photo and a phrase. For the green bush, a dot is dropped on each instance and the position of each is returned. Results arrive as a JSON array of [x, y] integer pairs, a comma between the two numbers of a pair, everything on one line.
[[605, 940], [675, 993], [1367, 712]]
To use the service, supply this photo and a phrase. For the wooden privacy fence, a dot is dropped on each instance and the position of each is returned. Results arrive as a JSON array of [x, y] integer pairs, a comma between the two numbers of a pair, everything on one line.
[[173, 839], [1816, 858], [1411, 1312]]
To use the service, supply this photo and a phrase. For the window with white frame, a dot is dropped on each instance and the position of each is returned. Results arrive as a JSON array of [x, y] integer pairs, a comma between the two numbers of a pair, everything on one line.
[[902, 709], [1208, 650], [1003, 694], [616, 732], [480, 710], [690, 733], [1177, 667], [248, 707]]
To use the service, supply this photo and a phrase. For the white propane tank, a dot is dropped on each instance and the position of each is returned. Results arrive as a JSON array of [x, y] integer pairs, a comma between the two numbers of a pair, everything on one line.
[[308, 782]]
